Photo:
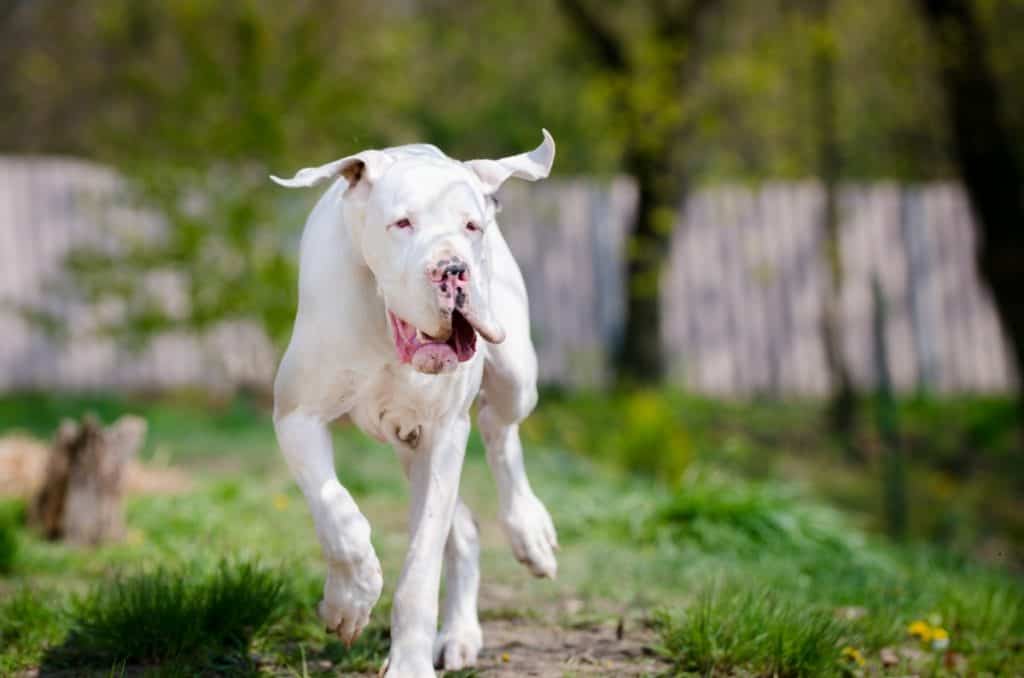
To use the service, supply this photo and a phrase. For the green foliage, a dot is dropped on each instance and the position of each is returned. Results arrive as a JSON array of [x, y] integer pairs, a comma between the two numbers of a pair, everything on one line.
[[8, 539], [791, 616], [8, 547], [29, 621], [190, 617], [368, 653], [747, 627], [230, 253], [955, 447], [640, 431], [755, 576], [181, 425], [971, 424], [196, 102], [725, 514]]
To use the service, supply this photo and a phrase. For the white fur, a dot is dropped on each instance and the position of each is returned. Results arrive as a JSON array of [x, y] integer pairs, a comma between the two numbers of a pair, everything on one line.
[[354, 267]]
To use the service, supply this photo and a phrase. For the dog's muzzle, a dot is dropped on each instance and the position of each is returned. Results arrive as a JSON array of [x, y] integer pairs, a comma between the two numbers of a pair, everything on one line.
[[461, 322]]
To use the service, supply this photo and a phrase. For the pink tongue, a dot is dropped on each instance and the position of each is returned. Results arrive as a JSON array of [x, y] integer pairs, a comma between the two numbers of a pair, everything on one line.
[[434, 358]]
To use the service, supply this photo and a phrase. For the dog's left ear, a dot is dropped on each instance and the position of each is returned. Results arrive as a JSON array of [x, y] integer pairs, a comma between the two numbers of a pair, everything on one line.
[[365, 167], [530, 166]]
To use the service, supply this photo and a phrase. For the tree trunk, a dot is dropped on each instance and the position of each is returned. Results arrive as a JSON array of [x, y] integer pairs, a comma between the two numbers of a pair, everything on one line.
[[80, 500], [894, 466], [984, 151], [640, 358], [842, 405], [653, 157]]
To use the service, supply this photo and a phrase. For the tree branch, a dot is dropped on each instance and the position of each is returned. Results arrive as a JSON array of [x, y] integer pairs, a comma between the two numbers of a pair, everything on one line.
[[680, 19], [602, 40]]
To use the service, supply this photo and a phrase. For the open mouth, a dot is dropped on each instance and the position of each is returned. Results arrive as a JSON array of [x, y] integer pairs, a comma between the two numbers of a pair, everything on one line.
[[431, 355]]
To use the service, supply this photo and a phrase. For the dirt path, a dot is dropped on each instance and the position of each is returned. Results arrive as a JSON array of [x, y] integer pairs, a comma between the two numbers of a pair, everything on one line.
[[525, 648]]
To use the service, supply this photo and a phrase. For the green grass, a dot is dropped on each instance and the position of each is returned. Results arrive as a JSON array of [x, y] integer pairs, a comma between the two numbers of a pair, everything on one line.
[[722, 514], [790, 613], [753, 628], [8, 545], [180, 616], [30, 621], [740, 572], [965, 466]]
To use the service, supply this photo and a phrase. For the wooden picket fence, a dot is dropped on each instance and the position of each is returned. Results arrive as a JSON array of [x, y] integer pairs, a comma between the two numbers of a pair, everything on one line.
[[742, 294]]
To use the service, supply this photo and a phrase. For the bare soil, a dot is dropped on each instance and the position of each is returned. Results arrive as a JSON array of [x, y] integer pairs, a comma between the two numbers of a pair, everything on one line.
[[23, 465], [526, 648]]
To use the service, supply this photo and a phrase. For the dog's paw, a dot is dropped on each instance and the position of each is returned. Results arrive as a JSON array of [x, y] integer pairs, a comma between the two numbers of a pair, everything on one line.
[[457, 648], [531, 534], [350, 592], [400, 665]]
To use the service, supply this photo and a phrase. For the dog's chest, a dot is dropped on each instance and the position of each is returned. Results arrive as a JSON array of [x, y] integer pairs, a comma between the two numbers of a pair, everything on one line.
[[399, 405]]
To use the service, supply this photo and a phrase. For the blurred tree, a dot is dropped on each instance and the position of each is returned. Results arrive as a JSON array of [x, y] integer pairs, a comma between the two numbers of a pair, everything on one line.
[[894, 466], [645, 59], [194, 101], [824, 52], [984, 150], [814, 26]]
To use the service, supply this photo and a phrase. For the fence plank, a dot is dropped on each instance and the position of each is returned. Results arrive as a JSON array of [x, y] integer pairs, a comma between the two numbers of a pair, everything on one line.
[[742, 290]]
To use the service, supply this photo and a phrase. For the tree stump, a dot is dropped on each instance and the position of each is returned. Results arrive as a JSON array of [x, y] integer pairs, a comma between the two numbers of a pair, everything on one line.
[[80, 499]]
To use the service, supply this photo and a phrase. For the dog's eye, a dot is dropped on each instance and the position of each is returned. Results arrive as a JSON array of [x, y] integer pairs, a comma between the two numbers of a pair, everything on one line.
[[402, 223], [472, 227]]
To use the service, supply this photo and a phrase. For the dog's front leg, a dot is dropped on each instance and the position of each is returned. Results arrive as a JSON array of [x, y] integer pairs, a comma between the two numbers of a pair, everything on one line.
[[433, 470], [525, 520], [354, 577]]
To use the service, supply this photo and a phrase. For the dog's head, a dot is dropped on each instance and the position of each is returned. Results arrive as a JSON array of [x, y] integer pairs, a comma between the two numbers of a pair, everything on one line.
[[420, 221]]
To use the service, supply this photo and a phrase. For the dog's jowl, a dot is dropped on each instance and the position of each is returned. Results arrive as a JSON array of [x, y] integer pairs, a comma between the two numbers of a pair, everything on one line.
[[410, 308]]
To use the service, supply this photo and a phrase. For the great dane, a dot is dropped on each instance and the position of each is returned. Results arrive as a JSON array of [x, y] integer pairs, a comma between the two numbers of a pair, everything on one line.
[[402, 268]]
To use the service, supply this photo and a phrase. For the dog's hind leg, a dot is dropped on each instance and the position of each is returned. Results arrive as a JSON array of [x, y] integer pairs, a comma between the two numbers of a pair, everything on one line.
[[457, 645], [353, 572]]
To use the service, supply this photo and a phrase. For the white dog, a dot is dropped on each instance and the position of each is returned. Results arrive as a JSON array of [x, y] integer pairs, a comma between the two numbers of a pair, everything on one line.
[[402, 265]]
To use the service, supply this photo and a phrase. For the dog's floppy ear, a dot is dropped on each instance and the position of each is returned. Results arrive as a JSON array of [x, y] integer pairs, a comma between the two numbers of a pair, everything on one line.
[[366, 166], [530, 166]]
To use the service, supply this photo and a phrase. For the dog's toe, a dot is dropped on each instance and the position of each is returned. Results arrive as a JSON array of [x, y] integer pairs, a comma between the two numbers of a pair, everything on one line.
[[531, 534], [347, 624], [455, 650], [350, 593], [539, 557]]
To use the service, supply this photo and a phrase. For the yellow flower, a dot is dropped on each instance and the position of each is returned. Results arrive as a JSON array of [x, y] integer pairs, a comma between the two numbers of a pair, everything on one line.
[[505, 658], [920, 629], [940, 638], [280, 502], [854, 655]]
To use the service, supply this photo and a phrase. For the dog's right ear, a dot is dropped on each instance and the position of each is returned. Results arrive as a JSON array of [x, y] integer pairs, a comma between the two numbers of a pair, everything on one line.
[[532, 166], [361, 168]]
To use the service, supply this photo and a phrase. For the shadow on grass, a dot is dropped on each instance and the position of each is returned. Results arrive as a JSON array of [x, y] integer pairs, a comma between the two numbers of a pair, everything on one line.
[[195, 622]]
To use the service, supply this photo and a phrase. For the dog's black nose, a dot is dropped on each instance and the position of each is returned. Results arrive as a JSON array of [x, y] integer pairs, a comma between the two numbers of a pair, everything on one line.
[[455, 269]]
